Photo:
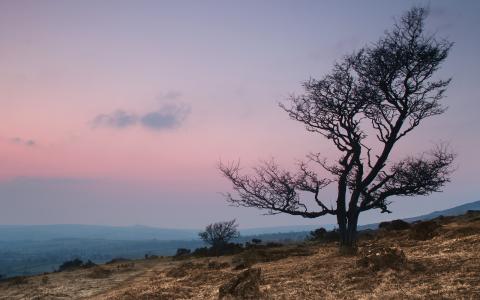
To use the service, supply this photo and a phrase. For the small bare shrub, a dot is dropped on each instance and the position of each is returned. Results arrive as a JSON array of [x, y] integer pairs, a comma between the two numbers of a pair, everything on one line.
[[18, 280]]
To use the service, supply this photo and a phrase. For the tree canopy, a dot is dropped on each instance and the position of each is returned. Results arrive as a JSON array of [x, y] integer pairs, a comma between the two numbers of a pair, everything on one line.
[[370, 100]]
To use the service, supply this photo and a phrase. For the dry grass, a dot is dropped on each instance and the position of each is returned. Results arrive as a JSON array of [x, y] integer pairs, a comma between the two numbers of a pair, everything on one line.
[[444, 266]]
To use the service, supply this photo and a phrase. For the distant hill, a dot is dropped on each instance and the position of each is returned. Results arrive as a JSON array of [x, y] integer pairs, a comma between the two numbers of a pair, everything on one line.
[[124, 233], [454, 211], [139, 233], [74, 231], [283, 229], [32, 249]]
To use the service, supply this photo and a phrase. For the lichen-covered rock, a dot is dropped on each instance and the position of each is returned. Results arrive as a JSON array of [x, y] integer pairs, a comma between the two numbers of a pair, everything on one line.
[[382, 258]]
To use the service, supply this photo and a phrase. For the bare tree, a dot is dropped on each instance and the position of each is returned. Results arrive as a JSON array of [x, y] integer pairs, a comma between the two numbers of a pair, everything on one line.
[[220, 233], [370, 100]]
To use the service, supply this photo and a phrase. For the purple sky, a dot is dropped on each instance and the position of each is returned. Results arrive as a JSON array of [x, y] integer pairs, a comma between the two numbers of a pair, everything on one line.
[[117, 112]]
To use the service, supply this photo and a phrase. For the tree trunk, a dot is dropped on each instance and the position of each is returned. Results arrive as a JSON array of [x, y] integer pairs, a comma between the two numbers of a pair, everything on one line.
[[342, 226], [348, 233]]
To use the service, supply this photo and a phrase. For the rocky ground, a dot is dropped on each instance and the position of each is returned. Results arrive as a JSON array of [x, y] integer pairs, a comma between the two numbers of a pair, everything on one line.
[[429, 260]]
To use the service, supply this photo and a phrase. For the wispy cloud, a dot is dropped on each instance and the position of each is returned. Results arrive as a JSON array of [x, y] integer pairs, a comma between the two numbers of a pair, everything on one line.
[[23, 142], [170, 95], [118, 119], [167, 117]]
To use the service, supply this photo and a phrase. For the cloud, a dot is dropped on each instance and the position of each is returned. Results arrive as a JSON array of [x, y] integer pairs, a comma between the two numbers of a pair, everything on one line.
[[167, 117], [23, 142], [170, 95], [118, 119]]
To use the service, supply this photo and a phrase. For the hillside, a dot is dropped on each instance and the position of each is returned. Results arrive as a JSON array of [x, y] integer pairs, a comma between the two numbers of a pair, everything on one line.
[[9, 233], [453, 211], [436, 259], [34, 249]]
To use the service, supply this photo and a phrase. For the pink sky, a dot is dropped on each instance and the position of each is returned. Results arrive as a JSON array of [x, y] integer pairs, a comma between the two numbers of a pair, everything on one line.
[[196, 84]]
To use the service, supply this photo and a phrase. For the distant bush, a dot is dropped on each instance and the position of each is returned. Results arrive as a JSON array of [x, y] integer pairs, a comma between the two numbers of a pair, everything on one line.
[[227, 249], [394, 225], [71, 265], [218, 250], [75, 264], [202, 251], [318, 234], [256, 241], [150, 256], [322, 235], [89, 264], [424, 230], [117, 260], [183, 252], [274, 244]]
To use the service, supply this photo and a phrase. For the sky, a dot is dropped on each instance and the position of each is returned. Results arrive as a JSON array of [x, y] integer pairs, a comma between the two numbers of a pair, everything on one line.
[[118, 112]]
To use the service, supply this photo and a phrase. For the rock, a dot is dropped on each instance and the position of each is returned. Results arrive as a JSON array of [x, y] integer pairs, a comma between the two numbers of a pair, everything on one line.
[[382, 258], [245, 285]]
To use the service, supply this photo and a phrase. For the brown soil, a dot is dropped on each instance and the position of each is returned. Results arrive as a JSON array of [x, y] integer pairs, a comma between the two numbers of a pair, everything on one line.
[[408, 264]]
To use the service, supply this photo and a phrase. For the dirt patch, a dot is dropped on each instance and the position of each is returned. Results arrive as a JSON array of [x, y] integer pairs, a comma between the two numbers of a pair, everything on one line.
[[99, 272], [18, 280], [215, 265], [183, 269]]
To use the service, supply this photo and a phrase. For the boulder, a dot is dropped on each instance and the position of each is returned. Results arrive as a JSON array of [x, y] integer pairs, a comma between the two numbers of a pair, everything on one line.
[[382, 258]]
